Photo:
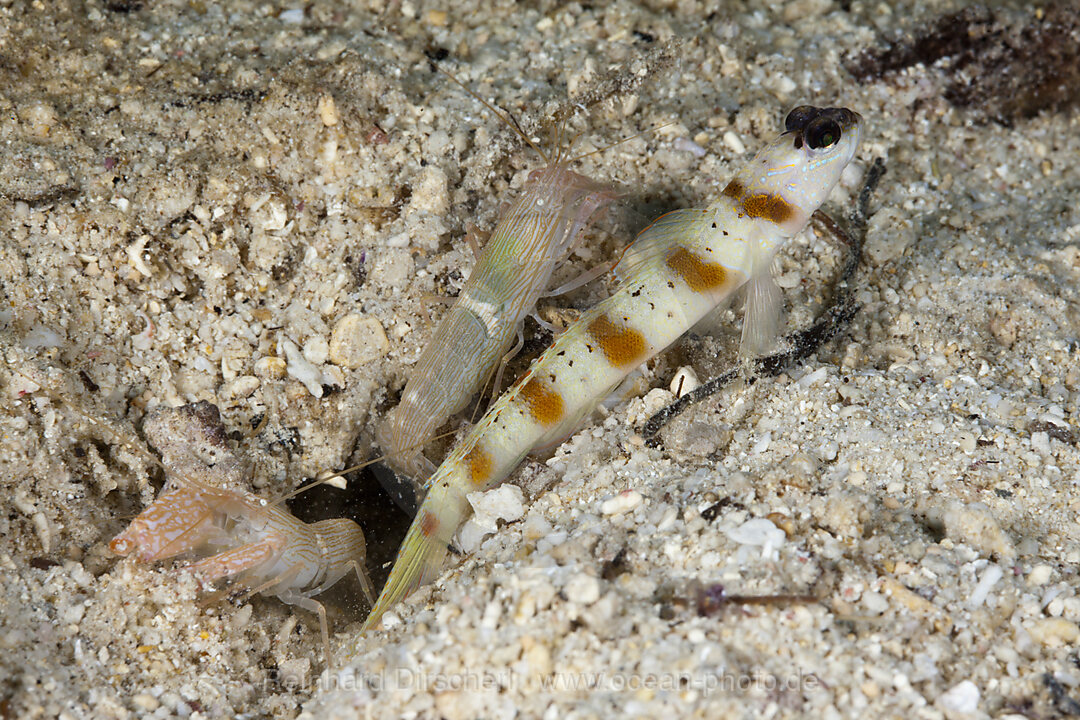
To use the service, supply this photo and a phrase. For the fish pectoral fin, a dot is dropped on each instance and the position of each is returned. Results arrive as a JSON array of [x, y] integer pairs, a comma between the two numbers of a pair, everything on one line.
[[761, 316], [406, 492]]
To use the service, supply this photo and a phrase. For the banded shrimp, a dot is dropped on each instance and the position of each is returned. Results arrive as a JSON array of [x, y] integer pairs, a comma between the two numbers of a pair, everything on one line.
[[205, 506], [677, 271], [258, 543]]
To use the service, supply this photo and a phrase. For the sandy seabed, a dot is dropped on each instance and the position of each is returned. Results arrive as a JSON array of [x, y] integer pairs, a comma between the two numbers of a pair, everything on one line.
[[250, 203]]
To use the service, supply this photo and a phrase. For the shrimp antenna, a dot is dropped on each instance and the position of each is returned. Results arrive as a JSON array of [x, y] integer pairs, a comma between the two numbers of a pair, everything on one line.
[[570, 146], [507, 118], [331, 477], [557, 131], [618, 142], [514, 125]]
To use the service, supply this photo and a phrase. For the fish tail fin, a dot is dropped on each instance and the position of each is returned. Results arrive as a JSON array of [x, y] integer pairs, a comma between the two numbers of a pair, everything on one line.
[[423, 550]]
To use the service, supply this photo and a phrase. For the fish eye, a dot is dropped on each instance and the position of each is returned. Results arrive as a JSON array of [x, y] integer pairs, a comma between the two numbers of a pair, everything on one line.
[[822, 132], [799, 117]]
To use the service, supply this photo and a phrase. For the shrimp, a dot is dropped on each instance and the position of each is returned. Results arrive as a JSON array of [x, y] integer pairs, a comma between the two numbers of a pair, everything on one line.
[[536, 233], [676, 272], [271, 551]]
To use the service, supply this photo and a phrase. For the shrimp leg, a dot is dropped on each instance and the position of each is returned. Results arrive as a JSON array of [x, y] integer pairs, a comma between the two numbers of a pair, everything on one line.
[[237, 560]]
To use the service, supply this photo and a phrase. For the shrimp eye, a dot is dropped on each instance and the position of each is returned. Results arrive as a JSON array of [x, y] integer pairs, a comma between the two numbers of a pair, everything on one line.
[[799, 117], [822, 132]]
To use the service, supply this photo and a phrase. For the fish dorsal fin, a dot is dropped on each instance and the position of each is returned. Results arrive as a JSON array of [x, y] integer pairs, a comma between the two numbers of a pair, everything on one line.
[[651, 248]]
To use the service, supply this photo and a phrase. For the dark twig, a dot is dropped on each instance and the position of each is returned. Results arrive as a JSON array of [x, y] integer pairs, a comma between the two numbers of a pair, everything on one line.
[[711, 599], [803, 343]]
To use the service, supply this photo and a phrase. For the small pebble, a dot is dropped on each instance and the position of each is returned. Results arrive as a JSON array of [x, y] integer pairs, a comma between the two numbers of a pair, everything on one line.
[[961, 698], [758, 531], [270, 368], [889, 233], [1054, 631], [583, 589], [316, 350], [357, 340], [685, 381], [829, 451], [732, 141], [875, 603], [975, 524], [625, 501], [241, 618], [1039, 575], [295, 16], [430, 191], [145, 701], [293, 672], [72, 614], [328, 112], [239, 388], [989, 578], [506, 502], [685, 144], [299, 367], [813, 378], [779, 84]]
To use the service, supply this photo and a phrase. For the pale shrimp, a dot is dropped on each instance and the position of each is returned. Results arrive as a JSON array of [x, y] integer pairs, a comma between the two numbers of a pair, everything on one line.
[[675, 273], [271, 551], [534, 234]]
